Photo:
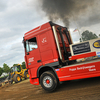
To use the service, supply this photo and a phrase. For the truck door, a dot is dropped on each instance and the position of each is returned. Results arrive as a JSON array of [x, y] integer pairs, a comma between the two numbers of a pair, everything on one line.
[[33, 58]]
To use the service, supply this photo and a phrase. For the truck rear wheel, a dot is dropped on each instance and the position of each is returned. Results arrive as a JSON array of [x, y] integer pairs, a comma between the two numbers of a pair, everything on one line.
[[48, 81], [17, 78]]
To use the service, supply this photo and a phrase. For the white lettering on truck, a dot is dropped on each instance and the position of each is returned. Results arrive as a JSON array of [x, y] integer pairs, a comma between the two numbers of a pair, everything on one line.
[[90, 68], [44, 40], [31, 59]]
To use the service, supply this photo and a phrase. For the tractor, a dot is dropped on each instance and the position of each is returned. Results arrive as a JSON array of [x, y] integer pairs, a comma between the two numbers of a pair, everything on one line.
[[17, 73]]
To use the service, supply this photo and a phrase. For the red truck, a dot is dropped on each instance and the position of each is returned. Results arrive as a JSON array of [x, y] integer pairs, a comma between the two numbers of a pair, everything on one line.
[[51, 57]]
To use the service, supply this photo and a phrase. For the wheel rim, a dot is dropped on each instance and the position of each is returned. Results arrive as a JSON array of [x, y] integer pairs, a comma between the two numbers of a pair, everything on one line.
[[47, 81], [18, 78]]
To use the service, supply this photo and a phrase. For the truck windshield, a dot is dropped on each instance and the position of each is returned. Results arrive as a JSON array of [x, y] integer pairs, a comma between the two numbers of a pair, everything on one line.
[[31, 44]]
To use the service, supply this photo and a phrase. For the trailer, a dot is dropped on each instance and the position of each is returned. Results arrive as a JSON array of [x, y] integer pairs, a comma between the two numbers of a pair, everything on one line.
[[51, 57]]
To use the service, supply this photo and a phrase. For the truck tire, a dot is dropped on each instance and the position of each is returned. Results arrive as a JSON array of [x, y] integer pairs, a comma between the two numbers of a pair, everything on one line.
[[48, 81], [26, 75], [17, 78]]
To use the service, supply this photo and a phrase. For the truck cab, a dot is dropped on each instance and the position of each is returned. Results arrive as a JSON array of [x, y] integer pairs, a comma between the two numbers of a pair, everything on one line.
[[43, 48]]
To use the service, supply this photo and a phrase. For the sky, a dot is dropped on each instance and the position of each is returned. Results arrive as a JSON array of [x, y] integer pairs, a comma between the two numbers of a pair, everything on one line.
[[19, 16]]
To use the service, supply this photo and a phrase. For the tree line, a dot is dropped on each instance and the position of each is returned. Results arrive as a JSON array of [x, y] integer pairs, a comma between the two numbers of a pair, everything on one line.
[[87, 35], [7, 69]]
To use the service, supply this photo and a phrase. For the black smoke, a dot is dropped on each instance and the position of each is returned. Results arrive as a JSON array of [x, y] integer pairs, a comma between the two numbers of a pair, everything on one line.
[[82, 11]]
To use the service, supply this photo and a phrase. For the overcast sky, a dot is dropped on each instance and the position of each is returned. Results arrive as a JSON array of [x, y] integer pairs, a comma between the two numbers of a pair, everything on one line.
[[19, 16]]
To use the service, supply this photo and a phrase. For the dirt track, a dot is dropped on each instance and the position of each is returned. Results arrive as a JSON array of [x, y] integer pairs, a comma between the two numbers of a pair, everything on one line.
[[87, 89]]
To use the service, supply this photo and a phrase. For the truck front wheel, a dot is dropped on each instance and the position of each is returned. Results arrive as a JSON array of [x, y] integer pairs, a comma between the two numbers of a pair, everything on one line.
[[48, 81]]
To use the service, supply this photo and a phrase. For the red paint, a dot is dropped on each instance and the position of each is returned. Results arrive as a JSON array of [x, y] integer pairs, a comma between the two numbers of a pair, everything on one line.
[[34, 81], [79, 56], [81, 71]]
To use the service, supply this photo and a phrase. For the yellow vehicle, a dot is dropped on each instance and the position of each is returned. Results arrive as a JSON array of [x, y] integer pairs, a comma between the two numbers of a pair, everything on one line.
[[17, 73]]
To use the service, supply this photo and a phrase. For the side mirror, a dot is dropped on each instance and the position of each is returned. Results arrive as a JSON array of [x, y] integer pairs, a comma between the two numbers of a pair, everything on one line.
[[27, 53], [24, 44]]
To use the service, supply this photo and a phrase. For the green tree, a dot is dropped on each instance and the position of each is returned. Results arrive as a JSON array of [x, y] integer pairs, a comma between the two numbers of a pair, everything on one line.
[[86, 35], [1, 71], [6, 68], [15, 64], [23, 65]]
